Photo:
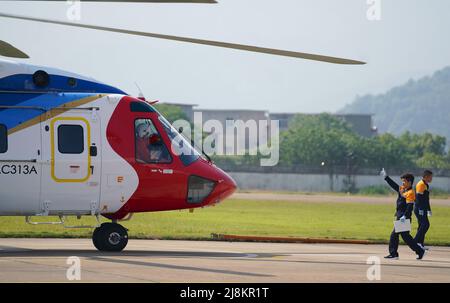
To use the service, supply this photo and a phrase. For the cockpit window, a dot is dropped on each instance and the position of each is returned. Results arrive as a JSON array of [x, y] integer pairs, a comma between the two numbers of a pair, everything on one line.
[[141, 107], [150, 147], [180, 146]]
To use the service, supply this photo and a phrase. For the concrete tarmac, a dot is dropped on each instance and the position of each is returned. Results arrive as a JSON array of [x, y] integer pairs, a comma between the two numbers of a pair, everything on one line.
[[45, 260]]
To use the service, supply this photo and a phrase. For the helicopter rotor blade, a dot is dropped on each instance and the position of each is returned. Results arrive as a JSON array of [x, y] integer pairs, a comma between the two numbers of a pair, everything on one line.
[[250, 48], [133, 1], [7, 50]]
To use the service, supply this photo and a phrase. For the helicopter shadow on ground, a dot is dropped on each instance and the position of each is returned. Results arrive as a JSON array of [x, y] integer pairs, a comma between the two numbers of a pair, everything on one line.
[[11, 251], [141, 258]]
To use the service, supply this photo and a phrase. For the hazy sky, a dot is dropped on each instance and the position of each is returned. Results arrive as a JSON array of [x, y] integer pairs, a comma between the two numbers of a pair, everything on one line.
[[410, 40]]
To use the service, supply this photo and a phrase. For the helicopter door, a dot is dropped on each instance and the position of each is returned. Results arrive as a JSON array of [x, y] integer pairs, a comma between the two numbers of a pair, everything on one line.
[[71, 180]]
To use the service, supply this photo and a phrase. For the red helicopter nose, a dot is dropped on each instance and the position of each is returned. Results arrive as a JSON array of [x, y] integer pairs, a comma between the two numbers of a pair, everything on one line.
[[208, 184], [225, 187], [229, 186]]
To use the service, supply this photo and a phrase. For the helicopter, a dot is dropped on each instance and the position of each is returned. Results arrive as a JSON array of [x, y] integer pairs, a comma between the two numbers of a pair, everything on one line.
[[74, 146]]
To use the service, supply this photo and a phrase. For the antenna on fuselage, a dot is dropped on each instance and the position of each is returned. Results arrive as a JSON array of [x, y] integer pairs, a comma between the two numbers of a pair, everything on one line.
[[141, 95]]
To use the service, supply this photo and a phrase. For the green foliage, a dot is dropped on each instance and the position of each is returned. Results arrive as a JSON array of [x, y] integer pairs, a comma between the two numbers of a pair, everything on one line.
[[391, 152], [426, 143], [315, 139], [236, 161], [433, 160], [312, 140], [171, 112]]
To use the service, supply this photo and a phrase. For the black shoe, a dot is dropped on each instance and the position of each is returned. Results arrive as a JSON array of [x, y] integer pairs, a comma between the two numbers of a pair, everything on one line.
[[394, 257], [423, 246], [421, 254]]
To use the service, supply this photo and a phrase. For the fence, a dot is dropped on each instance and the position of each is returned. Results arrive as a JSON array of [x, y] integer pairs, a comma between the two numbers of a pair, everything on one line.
[[321, 179]]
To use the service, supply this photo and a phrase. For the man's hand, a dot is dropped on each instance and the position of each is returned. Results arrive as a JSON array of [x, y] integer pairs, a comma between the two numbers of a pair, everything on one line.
[[383, 174], [403, 219], [429, 213]]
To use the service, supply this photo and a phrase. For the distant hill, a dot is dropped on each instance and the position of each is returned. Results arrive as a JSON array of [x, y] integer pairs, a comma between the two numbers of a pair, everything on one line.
[[418, 106]]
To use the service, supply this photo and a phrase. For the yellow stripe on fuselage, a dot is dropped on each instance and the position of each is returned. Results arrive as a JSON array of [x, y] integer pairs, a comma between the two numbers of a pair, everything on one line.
[[53, 113]]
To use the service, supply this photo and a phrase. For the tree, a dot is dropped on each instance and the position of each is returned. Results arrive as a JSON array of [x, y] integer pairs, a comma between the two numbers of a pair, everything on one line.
[[431, 160], [421, 144], [392, 152], [318, 140], [312, 140], [171, 112]]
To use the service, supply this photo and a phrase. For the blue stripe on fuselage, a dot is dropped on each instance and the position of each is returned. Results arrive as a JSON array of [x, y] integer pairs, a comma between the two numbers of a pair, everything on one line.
[[43, 103], [24, 82], [7, 99]]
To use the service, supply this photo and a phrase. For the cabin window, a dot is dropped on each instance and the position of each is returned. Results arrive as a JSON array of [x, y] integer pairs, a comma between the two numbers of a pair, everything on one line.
[[150, 147], [141, 107], [3, 139], [70, 139]]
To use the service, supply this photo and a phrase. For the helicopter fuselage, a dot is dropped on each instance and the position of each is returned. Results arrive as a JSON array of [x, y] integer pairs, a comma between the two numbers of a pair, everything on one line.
[[73, 146]]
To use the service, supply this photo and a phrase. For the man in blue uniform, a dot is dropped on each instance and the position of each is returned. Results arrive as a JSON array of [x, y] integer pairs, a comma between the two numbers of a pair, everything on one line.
[[422, 208], [405, 203]]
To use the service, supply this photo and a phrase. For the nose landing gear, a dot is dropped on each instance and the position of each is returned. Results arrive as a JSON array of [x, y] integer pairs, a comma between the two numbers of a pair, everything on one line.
[[110, 237]]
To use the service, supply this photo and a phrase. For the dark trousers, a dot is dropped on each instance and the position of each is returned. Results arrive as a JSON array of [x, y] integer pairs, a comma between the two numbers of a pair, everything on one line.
[[409, 240], [424, 225]]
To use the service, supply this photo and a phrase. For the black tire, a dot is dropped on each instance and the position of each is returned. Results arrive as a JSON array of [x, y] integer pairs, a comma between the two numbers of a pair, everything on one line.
[[115, 237], [110, 237], [98, 238]]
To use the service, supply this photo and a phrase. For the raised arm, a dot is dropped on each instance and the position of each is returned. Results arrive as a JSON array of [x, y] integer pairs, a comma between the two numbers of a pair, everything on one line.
[[392, 184]]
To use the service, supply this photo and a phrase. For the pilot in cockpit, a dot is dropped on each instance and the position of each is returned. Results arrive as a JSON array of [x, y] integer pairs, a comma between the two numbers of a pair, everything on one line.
[[149, 145]]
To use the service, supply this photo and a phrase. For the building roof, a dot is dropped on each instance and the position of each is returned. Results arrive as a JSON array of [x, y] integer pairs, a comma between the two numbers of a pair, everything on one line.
[[179, 104]]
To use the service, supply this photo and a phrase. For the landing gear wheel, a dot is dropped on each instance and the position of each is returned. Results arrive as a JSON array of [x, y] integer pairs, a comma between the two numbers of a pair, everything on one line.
[[97, 238], [110, 237]]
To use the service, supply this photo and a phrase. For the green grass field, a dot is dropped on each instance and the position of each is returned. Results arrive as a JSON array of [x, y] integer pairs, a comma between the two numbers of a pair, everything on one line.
[[258, 218]]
